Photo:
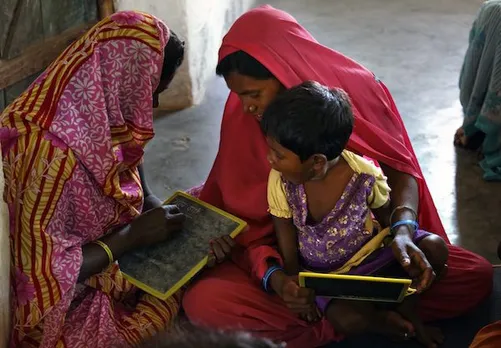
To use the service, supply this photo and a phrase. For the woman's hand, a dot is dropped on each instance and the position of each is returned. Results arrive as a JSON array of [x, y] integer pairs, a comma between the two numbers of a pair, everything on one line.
[[299, 300], [220, 250], [405, 193], [151, 202], [413, 261], [156, 225]]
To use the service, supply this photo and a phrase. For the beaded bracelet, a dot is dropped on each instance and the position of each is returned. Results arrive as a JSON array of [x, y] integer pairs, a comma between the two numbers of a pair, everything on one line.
[[106, 249], [267, 276]]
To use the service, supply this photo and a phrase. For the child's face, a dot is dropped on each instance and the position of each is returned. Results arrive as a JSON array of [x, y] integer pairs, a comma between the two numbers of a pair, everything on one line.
[[288, 163]]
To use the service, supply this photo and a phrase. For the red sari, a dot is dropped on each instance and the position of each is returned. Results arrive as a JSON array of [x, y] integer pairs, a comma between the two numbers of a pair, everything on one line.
[[230, 295]]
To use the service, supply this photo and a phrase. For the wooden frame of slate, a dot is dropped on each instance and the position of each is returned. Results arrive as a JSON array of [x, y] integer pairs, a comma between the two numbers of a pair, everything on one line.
[[161, 270], [355, 287]]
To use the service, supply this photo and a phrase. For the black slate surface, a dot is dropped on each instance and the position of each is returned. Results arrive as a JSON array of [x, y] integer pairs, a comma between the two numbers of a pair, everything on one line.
[[163, 265]]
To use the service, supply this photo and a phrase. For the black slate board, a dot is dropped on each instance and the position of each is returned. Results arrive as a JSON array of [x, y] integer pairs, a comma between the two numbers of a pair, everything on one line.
[[355, 287], [163, 269]]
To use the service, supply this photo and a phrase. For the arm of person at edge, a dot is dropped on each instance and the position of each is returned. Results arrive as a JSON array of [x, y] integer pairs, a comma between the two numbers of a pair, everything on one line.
[[405, 193]]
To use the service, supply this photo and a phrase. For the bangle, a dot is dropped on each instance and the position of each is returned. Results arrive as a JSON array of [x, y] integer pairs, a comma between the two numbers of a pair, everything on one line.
[[106, 249], [402, 207], [402, 223], [268, 274]]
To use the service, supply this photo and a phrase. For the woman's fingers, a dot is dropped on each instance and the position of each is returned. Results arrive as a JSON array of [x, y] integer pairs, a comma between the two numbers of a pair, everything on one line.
[[221, 248], [229, 241], [211, 260], [218, 250], [225, 244]]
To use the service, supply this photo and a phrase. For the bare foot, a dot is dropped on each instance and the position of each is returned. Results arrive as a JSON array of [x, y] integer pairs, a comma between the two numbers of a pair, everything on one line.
[[430, 337], [393, 325], [460, 139], [473, 142]]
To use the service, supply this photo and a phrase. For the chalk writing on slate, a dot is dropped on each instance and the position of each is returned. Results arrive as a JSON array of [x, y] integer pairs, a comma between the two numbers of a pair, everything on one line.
[[164, 268]]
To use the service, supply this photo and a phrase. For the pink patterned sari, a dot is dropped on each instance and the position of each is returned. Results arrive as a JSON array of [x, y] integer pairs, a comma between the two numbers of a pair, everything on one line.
[[71, 147]]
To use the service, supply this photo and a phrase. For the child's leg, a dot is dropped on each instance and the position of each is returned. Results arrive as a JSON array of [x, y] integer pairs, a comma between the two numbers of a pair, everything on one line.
[[352, 318]]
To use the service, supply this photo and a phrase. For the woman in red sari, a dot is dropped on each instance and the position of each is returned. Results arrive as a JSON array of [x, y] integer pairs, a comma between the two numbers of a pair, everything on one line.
[[284, 54]]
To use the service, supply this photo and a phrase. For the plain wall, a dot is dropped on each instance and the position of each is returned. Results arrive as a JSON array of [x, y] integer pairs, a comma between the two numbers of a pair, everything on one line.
[[202, 24]]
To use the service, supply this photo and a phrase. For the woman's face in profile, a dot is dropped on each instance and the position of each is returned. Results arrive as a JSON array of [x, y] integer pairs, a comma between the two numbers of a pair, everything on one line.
[[254, 94]]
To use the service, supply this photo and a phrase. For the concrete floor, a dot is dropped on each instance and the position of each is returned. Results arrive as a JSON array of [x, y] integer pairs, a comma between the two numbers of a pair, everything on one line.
[[416, 48]]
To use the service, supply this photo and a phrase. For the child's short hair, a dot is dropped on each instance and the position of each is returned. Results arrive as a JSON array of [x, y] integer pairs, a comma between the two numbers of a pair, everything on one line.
[[310, 119]]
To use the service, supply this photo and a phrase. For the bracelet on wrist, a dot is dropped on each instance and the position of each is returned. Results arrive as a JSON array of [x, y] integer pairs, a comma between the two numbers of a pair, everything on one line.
[[107, 249], [267, 276], [403, 223]]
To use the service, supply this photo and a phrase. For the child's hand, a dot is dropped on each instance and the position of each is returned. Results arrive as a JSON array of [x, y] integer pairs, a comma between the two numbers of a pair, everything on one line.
[[312, 315], [220, 250], [299, 300]]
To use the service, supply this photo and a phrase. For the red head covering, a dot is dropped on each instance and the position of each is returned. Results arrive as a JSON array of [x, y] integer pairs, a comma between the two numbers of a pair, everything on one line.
[[238, 179]]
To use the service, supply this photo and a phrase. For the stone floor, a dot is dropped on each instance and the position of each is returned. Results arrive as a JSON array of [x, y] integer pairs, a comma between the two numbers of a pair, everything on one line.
[[416, 48]]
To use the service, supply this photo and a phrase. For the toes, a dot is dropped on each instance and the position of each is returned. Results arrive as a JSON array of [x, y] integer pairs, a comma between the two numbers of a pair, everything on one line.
[[460, 138]]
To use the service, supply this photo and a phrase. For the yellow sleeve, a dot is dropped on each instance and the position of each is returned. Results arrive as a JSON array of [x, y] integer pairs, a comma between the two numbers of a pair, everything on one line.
[[277, 202], [380, 194]]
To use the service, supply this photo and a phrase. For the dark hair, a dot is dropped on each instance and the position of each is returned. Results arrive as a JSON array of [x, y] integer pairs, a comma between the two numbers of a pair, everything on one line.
[[310, 119], [197, 338], [244, 64], [173, 56]]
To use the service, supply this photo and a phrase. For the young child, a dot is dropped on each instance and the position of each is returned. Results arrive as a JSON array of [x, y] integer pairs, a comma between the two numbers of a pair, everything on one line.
[[329, 204]]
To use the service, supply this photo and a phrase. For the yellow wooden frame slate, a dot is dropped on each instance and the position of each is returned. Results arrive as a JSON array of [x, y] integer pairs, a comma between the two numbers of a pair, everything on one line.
[[406, 283], [199, 266]]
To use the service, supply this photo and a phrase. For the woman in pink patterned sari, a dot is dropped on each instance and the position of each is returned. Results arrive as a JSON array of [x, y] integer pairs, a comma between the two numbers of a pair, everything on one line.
[[72, 150]]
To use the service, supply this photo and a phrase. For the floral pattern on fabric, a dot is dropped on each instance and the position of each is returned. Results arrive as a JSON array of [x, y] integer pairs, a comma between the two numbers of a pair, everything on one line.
[[328, 244]]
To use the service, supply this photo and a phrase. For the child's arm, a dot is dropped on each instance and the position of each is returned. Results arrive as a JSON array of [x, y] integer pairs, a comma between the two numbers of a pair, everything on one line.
[[287, 244], [285, 230]]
